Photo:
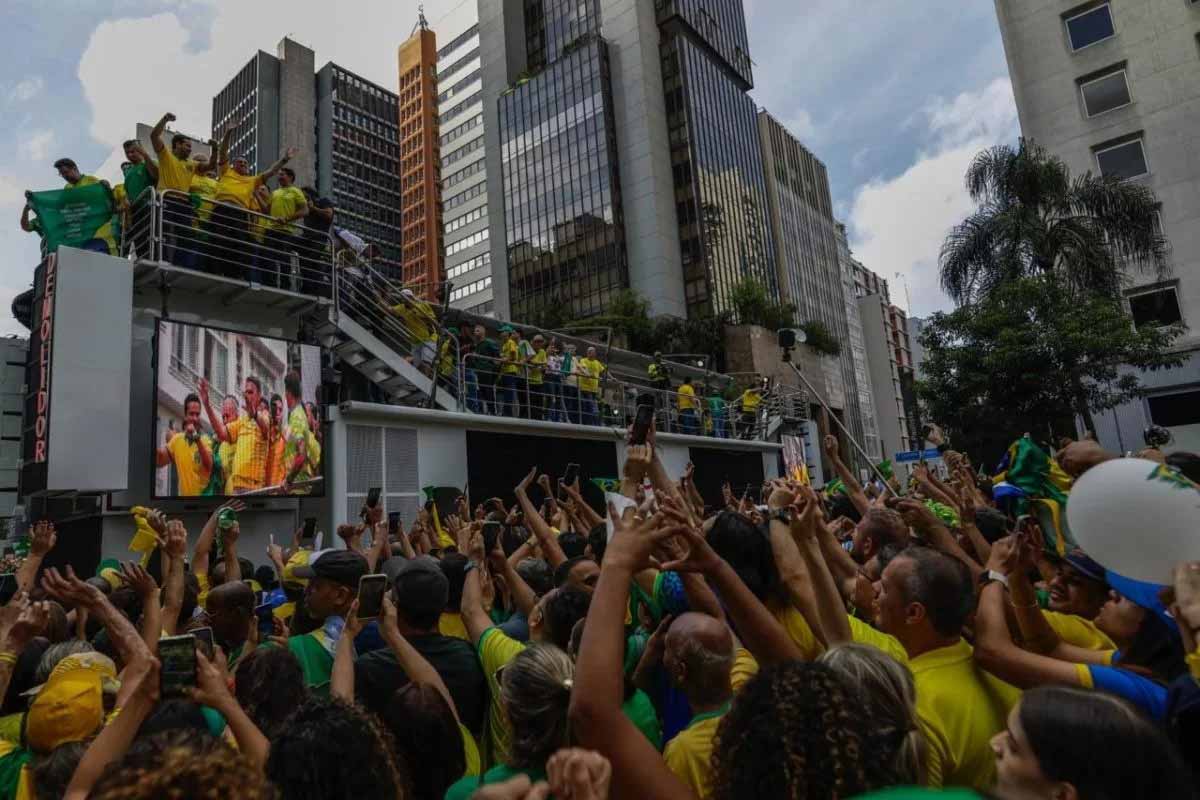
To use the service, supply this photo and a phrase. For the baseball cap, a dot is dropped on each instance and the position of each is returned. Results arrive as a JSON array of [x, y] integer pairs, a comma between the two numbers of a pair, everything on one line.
[[69, 706], [1084, 565], [340, 566], [421, 586], [506, 328]]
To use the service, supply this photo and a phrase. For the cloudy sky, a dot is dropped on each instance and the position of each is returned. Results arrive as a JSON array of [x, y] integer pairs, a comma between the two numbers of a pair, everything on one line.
[[895, 97]]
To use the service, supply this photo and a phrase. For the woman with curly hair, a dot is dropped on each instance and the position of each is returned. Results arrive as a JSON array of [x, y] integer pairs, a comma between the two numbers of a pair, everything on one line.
[[269, 684], [795, 730], [183, 765]]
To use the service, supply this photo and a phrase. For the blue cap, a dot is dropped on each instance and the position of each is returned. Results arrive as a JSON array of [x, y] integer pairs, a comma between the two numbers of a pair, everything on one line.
[[1144, 594]]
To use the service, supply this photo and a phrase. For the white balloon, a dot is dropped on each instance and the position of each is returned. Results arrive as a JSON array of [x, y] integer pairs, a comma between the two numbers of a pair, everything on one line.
[[1136, 517]]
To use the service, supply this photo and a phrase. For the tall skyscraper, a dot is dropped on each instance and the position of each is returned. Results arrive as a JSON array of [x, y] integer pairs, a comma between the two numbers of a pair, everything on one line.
[[624, 153], [420, 165], [856, 339], [345, 127], [1114, 88], [464, 173], [805, 239], [889, 358]]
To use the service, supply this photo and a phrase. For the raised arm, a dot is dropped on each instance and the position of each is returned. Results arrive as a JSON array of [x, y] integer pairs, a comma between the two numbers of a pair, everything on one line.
[[925, 522], [522, 596], [475, 619], [144, 585], [173, 553], [69, 590], [586, 513], [831, 611], [415, 666], [26, 225], [214, 419], [288, 155], [20, 622], [156, 134], [545, 536], [208, 535], [212, 690], [793, 572], [41, 542], [854, 489], [223, 151]]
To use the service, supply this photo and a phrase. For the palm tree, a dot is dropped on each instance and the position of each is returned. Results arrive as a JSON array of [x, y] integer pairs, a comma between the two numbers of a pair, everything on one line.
[[1035, 220]]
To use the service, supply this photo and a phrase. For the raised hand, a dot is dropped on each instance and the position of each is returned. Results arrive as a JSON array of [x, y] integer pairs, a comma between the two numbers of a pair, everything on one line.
[[1006, 555], [138, 579], [638, 458], [30, 623], [781, 495], [354, 625], [212, 688], [544, 482], [176, 542], [70, 590], [830, 443], [169, 117], [43, 540], [700, 558], [527, 480]]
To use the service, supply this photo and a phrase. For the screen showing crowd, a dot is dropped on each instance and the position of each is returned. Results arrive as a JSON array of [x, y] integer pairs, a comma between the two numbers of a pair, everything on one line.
[[236, 414]]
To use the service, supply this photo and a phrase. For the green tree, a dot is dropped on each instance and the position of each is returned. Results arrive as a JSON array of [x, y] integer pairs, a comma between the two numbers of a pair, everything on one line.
[[753, 306], [1029, 356], [1034, 219]]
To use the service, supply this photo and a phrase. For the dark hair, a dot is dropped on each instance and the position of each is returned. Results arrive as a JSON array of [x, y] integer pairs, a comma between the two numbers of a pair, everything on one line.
[[265, 575], [183, 765], [303, 764], [795, 730], [561, 610], [942, 584], [257, 385], [598, 540], [573, 544], [1187, 464], [884, 526], [536, 572], [128, 143], [24, 676], [291, 173], [291, 381], [454, 567], [191, 595], [748, 550], [191, 398], [57, 629], [52, 772], [840, 505], [427, 739], [1069, 730], [65, 162], [172, 715], [887, 553], [1157, 647], [270, 687], [992, 523], [236, 402], [562, 573]]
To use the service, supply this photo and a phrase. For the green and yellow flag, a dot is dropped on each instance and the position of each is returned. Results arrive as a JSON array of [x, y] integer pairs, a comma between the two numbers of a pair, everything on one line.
[[79, 217], [1043, 489]]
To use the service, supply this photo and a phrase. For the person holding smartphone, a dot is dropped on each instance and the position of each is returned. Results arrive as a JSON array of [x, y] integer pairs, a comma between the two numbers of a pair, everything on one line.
[[333, 577]]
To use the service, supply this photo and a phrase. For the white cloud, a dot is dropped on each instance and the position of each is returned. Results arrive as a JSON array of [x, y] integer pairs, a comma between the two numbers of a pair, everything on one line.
[[801, 126], [26, 89], [35, 146], [898, 224]]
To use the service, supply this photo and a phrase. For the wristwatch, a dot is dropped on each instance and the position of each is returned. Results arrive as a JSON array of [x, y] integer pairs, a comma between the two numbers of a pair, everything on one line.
[[471, 564], [992, 575], [782, 515]]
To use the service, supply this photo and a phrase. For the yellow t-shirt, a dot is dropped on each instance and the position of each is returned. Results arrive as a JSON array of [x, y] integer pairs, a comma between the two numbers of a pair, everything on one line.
[[865, 634], [120, 197], [173, 174], [510, 354], [418, 319], [86, 180], [797, 627], [237, 189], [689, 754], [1078, 631], [451, 624], [202, 582], [960, 708], [227, 450], [750, 400], [537, 366], [745, 667], [471, 752], [687, 397], [206, 188], [193, 476], [590, 382], [496, 649], [278, 468], [285, 202], [249, 456]]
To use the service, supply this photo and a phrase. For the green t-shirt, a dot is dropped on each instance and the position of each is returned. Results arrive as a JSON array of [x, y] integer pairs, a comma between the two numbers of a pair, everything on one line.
[[640, 711], [465, 787]]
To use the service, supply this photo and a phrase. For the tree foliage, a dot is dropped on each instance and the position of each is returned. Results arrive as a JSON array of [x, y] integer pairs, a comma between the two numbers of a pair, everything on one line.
[[1035, 219], [1029, 356]]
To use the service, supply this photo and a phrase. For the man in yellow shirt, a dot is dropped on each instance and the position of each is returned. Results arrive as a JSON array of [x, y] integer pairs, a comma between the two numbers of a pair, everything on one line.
[[510, 371], [537, 372], [925, 598], [225, 450], [69, 172], [190, 451], [689, 423], [698, 657], [250, 434], [590, 371], [750, 400], [288, 204]]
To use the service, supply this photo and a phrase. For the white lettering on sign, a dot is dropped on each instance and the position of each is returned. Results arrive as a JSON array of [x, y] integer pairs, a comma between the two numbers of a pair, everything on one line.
[[45, 331]]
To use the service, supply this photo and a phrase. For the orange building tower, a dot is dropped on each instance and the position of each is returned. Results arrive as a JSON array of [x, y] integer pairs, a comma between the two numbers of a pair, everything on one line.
[[422, 254]]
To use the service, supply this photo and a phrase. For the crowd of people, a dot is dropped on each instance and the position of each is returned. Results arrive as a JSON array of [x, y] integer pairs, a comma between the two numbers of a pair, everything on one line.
[[795, 644]]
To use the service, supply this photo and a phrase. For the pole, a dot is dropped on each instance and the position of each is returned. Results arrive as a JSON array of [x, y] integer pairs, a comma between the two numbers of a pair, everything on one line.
[[829, 413]]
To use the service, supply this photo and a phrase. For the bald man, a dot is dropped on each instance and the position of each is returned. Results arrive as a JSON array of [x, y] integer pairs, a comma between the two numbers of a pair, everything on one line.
[[230, 608], [698, 655]]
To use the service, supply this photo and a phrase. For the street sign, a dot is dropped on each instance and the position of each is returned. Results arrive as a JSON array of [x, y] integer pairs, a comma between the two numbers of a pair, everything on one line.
[[917, 455]]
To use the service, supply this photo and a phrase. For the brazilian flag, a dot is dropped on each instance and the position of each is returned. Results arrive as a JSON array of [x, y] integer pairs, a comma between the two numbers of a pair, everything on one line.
[[77, 217], [1042, 490]]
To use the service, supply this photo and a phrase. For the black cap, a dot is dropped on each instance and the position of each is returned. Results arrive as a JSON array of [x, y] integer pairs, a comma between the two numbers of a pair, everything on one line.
[[340, 566], [422, 589]]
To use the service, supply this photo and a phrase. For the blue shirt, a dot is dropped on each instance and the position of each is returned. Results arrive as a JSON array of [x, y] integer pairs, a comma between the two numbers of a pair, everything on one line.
[[1148, 695]]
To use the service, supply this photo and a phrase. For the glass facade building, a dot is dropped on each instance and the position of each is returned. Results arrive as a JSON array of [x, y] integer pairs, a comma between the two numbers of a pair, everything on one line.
[[565, 237], [717, 165]]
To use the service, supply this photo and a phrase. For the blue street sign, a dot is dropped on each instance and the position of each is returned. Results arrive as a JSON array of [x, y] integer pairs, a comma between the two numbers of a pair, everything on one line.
[[917, 455]]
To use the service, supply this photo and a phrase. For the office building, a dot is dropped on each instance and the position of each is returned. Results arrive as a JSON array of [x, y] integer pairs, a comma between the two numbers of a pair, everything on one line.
[[857, 348], [14, 351], [805, 240], [916, 327], [889, 359], [344, 127], [421, 253], [624, 148], [1114, 88], [464, 174]]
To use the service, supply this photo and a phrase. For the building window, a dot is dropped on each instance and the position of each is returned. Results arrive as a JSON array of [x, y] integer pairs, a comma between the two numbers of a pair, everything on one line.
[[1104, 92], [1122, 160], [1090, 27], [1157, 307], [1175, 410]]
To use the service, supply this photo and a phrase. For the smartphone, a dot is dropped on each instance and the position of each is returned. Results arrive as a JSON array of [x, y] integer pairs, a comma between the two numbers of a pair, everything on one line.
[[570, 475], [373, 497], [491, 533], [370, 595], [309, 535], [204, 639], [177, 655], [393, 523], [641, 424], [266, 621]]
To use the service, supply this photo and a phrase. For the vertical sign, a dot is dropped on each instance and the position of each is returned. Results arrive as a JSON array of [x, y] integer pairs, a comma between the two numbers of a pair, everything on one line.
[[35, 439]]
